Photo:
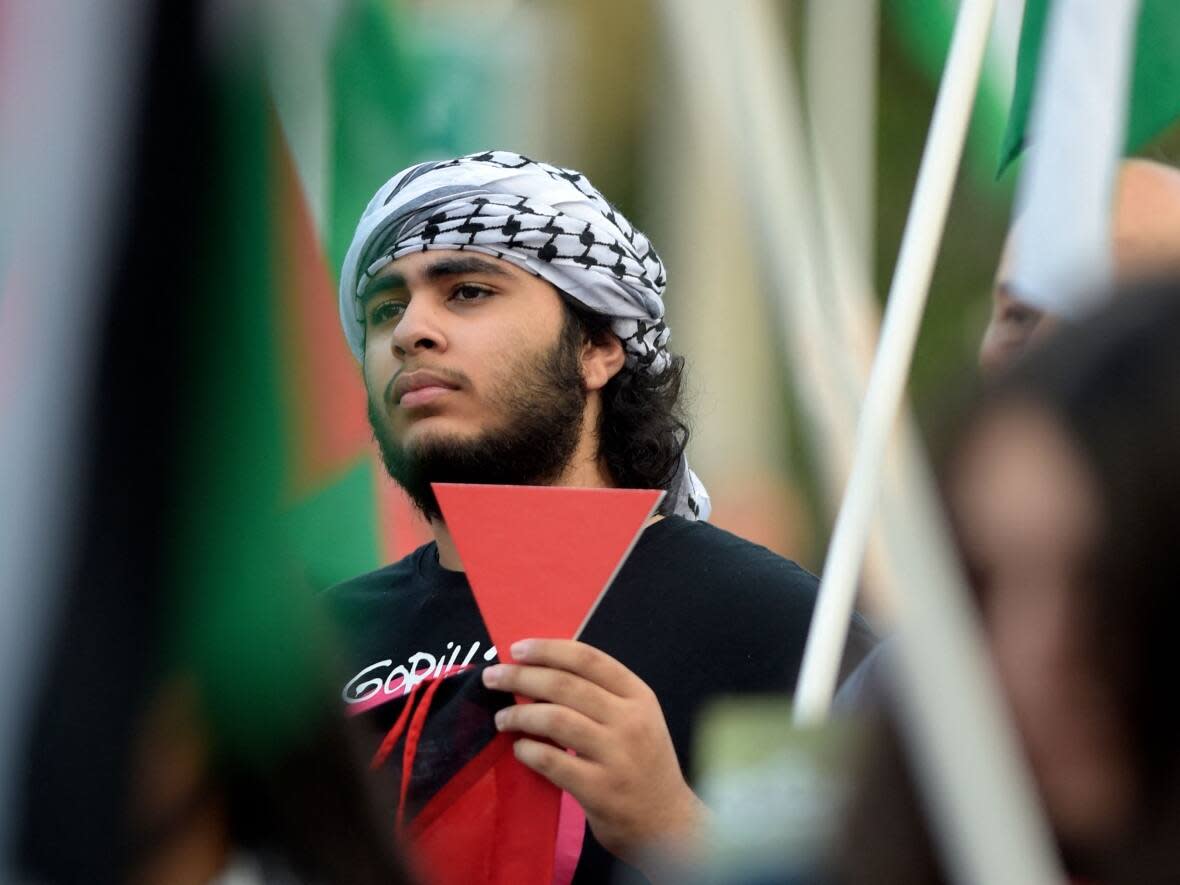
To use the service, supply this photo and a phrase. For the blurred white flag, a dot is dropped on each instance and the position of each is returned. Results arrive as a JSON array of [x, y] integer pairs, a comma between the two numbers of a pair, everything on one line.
[[1062, 261]]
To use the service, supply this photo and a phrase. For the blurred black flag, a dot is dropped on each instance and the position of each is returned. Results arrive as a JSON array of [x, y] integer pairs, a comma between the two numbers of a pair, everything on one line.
[[172, 579]]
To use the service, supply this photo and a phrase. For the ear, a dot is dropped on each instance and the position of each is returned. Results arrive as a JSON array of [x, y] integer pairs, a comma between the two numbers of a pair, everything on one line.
[[601, 360]]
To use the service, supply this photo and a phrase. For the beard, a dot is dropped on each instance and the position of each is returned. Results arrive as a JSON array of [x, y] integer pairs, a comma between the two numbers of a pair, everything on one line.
[[540, 411]]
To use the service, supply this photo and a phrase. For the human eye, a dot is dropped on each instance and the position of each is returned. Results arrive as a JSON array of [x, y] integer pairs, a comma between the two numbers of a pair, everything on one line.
[[386, 311], [1020, 315], [467, 292]]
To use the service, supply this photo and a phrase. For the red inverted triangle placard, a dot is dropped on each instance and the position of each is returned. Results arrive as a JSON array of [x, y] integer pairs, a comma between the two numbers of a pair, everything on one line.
[[539, 558]]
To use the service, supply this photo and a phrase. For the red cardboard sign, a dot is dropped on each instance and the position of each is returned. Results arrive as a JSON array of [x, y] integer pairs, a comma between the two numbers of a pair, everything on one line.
[[539, 558]]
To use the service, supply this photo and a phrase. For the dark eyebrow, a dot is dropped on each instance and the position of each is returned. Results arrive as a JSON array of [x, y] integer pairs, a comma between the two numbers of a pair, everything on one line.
[[443, 267], [446, 267], [383, 283]]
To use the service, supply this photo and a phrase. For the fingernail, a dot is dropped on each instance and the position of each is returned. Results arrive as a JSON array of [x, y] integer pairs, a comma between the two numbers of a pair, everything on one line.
[[501, 717], [492, 676], [521, 648]]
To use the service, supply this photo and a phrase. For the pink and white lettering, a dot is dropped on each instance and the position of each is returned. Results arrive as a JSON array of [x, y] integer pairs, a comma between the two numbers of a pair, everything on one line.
[[383, 681]]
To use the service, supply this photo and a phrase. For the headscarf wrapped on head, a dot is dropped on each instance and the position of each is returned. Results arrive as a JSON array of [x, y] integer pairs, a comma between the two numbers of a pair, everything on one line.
[[547, 220]]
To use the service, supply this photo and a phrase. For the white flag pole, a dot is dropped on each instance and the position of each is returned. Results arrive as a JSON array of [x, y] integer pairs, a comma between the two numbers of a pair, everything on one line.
[[899, 332]]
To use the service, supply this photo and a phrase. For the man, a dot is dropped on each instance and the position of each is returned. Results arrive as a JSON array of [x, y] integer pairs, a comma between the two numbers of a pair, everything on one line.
[[510, 325], [1146, 241]]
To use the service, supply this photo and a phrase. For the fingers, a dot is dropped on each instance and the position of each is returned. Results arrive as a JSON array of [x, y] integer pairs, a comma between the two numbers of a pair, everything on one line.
[[579, 658], [559, 724], [557, 686], [626, 775], [573, 774]]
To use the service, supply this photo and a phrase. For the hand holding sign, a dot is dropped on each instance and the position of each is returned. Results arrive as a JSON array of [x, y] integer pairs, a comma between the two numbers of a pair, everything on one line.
[[538, 560], [625, 774]]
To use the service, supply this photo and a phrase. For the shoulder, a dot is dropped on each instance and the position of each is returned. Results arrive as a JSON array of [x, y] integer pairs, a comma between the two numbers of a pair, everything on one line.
[[375, 585], [715, 556], [708, 575], [736, 584]]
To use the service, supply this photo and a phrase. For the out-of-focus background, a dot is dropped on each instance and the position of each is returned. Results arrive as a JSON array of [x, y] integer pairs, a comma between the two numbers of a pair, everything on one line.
[[365, 88]]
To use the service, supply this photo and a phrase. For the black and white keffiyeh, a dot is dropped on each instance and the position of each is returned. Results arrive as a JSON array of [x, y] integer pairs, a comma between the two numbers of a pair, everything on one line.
[[547, 220]]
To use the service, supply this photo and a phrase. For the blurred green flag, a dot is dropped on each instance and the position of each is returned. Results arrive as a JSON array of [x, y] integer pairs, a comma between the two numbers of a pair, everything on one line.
[[359, 90], [347, 96], [243, 619], [282, 495], [923, 30], [1155, 82]]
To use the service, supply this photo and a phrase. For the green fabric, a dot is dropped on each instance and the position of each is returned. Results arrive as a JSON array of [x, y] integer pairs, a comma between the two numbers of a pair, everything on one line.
[[374, 92], [334, 528], [923, 29], [1155, 82], [245, 622], [395, 96]]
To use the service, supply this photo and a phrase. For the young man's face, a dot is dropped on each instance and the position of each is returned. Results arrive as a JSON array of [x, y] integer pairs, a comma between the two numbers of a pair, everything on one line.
[[471, 372]]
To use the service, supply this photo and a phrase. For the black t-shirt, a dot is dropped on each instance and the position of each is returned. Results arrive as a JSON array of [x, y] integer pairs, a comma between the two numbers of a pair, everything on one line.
[[695, 612]]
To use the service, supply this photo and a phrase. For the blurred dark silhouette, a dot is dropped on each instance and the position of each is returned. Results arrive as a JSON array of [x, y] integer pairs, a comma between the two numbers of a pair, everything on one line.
[[132, 770], [1063, 486]]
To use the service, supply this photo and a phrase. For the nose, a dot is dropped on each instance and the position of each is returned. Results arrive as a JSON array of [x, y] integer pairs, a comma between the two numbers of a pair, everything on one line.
[[420, 328]]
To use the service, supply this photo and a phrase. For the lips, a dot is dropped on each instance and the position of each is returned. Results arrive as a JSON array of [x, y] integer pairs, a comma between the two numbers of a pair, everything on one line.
[[421, 387]]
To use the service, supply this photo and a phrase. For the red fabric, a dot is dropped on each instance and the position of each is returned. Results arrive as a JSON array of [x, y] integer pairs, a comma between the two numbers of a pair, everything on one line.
[[392, 736], [417, 722], [416, 718], [571, 833], [326, 407], [494, 823]]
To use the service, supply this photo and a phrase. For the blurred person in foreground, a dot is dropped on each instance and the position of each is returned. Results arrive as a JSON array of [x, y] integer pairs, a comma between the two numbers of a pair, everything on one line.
[[1146, 243], [509, 322], [181, 726], [300, 815], [1064, 491], [1145, 232]]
